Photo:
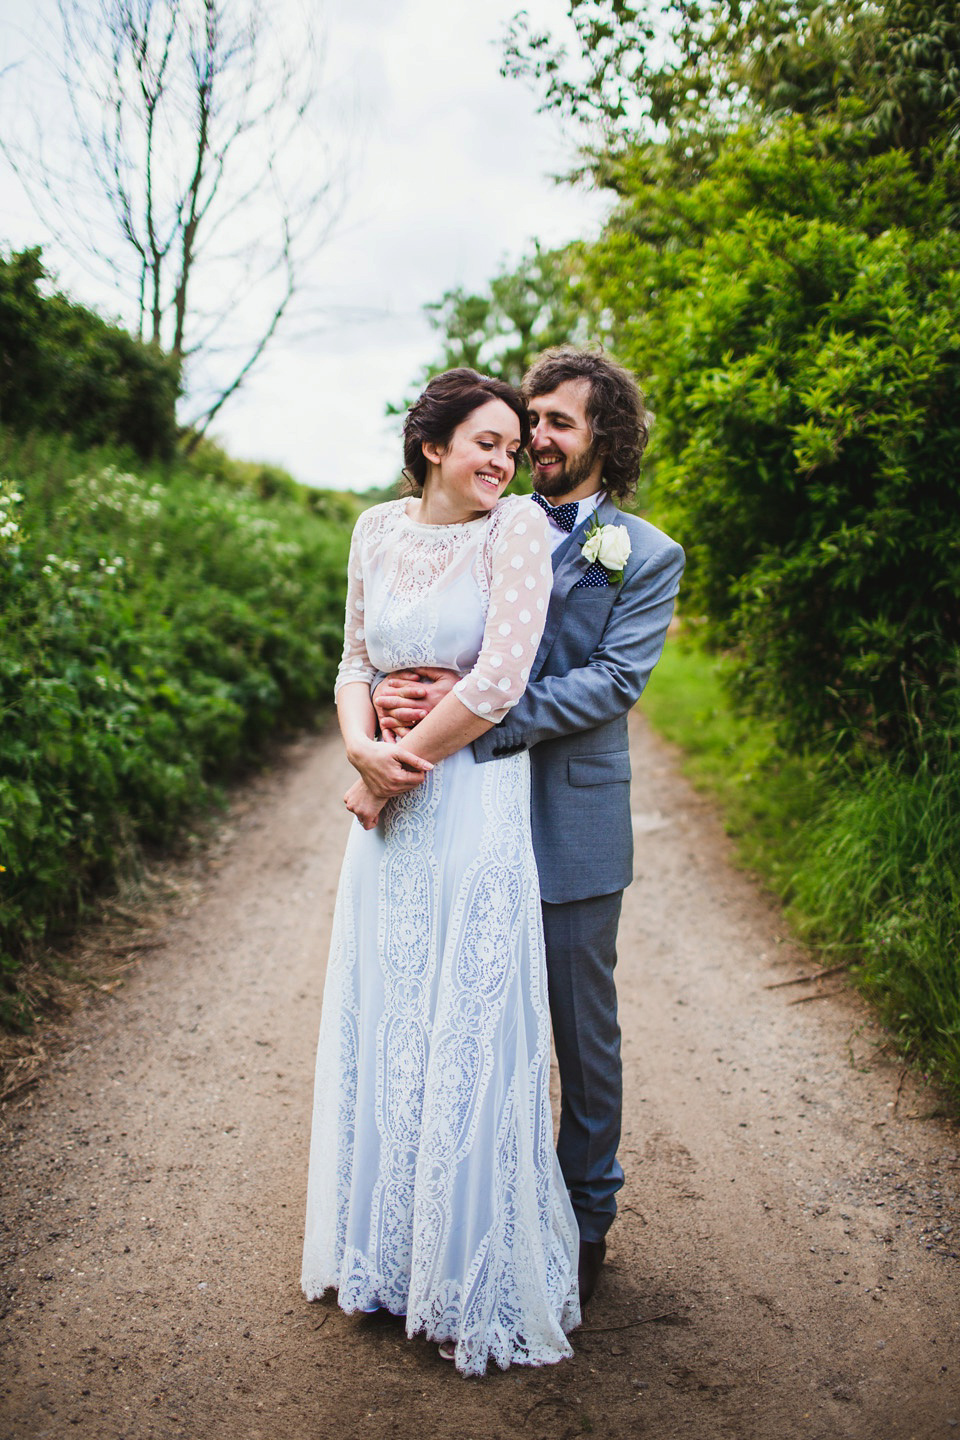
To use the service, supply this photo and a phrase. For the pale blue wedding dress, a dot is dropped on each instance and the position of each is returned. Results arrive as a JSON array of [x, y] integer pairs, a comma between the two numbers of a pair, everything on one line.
[[434, 1189]]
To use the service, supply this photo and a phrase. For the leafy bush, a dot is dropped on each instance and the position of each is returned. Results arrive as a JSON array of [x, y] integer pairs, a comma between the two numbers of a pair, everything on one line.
[[157, 628], [64, 369], [798, 310]]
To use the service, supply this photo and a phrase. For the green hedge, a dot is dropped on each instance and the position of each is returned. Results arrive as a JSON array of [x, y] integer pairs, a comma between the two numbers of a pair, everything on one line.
[[156, 629], [64, 369], [796, 313]]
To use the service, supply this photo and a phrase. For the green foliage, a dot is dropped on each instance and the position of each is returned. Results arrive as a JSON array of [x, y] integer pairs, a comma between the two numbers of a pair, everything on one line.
[[157, 628], [880, 885], [206, 459], [768, 796], [610, 72], [684, 75], [204, 456], [524, 311], [64, 369], [798, 311], [864, 852], [913, 91]]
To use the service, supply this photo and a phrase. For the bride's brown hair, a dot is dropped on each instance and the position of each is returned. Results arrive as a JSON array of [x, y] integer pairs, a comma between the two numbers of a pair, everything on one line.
[[445, 403]]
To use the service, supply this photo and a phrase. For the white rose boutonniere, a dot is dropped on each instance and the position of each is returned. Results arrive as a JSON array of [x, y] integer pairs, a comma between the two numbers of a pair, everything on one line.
[[610, 544]]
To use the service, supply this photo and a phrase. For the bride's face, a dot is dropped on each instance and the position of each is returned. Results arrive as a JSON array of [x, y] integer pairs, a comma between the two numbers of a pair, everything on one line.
[[474, 469]]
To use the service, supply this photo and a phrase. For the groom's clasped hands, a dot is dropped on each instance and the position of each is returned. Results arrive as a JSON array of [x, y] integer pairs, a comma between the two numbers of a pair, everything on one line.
[[405, 697]]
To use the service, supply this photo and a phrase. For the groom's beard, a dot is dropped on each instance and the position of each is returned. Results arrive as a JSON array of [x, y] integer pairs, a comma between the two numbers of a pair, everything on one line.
[[573, 471]]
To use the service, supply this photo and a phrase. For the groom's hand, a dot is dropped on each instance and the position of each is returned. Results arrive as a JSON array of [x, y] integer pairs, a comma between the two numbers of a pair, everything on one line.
[[406, 696]]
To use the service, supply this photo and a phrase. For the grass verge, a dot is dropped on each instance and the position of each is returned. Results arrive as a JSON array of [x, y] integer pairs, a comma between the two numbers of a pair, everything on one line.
[[865, 855]]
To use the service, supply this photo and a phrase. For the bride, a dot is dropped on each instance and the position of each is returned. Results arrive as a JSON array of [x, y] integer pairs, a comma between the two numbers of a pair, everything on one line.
[[434, 1190]]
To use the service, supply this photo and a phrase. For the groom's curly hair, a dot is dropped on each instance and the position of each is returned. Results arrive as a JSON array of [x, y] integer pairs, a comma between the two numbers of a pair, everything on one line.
[[616, 412], [446, 402]]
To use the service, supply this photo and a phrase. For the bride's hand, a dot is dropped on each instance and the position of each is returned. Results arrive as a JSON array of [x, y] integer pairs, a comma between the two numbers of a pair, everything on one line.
[[364, 804], [388, 769]]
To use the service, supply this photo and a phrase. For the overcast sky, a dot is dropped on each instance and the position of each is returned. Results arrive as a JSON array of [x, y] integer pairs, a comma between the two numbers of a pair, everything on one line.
[[450, 178]]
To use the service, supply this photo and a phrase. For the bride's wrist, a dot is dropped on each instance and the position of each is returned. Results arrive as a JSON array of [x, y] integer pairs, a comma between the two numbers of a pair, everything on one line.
[[359, 749]]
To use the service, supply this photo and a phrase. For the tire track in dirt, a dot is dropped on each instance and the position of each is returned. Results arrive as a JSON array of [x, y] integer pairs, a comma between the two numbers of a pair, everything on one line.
[[785, 1263]]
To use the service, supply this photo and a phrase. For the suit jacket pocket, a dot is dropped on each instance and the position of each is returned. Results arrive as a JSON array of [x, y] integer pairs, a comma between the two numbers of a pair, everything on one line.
[[599, 769], [592, 596]]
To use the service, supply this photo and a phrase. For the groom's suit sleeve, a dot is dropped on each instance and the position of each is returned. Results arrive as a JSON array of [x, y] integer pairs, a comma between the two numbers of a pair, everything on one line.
[[613, 678]]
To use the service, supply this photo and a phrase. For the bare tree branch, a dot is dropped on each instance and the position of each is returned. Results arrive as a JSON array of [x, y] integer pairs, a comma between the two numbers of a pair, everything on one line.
[[202, 422], [198, 178]]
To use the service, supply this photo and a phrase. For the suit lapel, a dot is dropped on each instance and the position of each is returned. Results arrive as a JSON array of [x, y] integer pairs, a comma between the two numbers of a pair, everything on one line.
[[607, 513]]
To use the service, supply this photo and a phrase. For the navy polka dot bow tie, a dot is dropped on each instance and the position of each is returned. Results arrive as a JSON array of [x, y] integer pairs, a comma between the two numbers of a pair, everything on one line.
[[563, 516]]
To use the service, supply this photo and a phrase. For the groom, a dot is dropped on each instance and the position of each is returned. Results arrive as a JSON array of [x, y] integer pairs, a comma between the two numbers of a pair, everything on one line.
[[612, 599]]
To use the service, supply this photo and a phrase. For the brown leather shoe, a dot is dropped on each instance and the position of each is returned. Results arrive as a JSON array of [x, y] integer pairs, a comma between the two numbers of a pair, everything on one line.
[[592, 1255]]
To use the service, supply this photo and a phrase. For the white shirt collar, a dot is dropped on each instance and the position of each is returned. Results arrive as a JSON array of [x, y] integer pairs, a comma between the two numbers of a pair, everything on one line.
[[585, 508]]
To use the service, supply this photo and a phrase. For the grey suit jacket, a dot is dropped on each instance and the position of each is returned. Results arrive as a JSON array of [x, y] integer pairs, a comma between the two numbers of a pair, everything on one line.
[[598, 649]]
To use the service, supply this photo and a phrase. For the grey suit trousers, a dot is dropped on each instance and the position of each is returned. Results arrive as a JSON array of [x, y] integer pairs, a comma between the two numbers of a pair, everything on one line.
[[581, 942]]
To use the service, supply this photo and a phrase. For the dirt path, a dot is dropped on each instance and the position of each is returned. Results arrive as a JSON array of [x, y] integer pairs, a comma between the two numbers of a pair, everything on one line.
[[786, 1263]]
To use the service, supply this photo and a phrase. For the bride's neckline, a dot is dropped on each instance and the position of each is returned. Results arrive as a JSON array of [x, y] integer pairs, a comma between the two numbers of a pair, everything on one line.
[[442, 525]]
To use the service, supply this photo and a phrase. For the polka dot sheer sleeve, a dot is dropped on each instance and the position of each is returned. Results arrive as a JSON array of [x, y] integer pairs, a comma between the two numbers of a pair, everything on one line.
[[520, 570], [355, 662]]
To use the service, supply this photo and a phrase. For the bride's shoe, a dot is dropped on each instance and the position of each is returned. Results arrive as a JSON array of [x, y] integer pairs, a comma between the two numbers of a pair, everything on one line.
[[447, 1349]]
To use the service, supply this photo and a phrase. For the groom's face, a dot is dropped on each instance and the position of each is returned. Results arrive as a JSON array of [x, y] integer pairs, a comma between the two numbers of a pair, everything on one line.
[[564, 456]]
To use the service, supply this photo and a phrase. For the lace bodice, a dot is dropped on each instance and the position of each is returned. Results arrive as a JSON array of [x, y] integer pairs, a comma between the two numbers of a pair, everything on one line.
[[470, 597]]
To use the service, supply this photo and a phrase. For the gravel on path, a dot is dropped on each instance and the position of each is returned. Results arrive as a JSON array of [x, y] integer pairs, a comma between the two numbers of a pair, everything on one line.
[[786, 1259]]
